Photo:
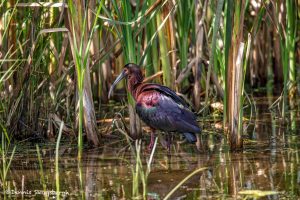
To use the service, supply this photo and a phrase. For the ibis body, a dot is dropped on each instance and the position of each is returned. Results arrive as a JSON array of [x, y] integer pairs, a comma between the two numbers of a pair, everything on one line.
[[159, 106]]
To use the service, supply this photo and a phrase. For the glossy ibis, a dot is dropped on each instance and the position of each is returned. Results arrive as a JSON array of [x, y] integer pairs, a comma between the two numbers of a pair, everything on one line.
[[158, 106]]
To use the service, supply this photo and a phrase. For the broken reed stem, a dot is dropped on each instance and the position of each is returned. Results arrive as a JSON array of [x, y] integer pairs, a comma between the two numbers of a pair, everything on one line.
[[154, 76]]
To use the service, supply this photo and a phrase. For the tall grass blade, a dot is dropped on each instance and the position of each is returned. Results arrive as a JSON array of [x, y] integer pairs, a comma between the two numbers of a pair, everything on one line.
[[165, 61], [57, 182], [183, 181], [185, 17], [213, 46], [80, 47], [227, 43], [4, 148], [41, 171]]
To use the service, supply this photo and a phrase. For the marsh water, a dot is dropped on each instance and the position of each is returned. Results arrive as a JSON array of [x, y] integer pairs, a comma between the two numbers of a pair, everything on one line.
[[267, 168]]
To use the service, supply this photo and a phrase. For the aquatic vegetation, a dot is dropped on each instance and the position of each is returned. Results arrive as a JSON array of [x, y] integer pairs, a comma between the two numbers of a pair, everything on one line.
[[81, 38], [139, 174], [57, 182], [92, 49], [58, 61], [7, 156], [183, 181], [42, 172]]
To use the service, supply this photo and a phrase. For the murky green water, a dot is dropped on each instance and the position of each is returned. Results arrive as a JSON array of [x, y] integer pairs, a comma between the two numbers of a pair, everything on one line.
[[269, 162]]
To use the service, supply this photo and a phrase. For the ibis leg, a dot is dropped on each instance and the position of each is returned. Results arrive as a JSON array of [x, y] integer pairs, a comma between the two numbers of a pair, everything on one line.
[[152, 139], [169, 142]]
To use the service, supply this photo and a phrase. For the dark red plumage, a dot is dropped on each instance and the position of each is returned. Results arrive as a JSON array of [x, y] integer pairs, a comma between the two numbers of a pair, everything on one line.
[[158, 106]]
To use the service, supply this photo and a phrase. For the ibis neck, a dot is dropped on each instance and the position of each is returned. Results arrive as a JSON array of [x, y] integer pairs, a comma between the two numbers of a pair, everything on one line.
[[133, 83], [134, 89]]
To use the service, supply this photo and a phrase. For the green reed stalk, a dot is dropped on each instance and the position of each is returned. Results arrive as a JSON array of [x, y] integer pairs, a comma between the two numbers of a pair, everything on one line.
[[4, 148], [8, 20], [131, 50], [227, 42], [77, 50], [152, 44], [82, 192], [8, 63], [291, 35], [41, 171], [163, 47], [139, 174], [80, 47], [56, 161], [152, 61], [291, 19], [285, 77], [242, 82], [148, 169], [235, 78], [287, 47], [80, 123], [185, 21], [212, 55]]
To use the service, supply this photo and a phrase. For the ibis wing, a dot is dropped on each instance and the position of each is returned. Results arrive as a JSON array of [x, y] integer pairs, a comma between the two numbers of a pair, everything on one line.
[[166, 91], [166, 113]]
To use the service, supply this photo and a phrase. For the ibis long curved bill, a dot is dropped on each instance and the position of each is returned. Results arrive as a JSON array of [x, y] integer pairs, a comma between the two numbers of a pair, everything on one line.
[[118, 79]]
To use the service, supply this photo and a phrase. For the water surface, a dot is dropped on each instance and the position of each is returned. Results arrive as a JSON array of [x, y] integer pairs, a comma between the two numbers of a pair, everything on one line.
[[268, 163]]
